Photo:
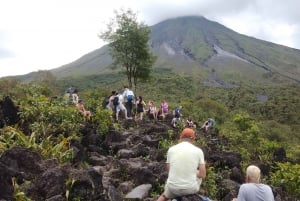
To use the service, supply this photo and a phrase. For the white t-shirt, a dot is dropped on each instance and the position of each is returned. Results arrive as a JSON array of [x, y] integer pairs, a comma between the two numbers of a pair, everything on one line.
[[121, 98], [184, 159], [126, 93]]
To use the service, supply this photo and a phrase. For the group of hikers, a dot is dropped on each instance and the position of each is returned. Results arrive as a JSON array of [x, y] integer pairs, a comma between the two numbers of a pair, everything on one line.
[[128, 104], [185, 162]]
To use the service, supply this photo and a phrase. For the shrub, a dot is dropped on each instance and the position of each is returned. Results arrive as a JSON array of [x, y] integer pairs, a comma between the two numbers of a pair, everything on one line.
[[48, 147], [288, 176]]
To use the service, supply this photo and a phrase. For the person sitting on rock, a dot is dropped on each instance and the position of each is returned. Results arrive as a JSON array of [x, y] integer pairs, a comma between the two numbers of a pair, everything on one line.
[[186, 167], [164, 109], [81, 109], [152, 110], [210, 123], [189, 123]]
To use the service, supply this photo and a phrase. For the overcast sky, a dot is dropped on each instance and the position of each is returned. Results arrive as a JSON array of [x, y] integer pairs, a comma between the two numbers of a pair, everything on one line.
[[46, 34]]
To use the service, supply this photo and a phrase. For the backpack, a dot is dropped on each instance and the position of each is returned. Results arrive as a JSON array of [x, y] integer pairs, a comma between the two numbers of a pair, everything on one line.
[[105, 102], [177, 112], [129, 98], [116, 100], [212, 122]]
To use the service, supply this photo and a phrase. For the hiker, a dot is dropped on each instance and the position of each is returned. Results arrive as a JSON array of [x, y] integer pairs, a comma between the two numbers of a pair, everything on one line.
[[68, 95], [140, 108], [189, 123], [164, 109], [176, 116], [129, 99], [152, 110], [105, 102], [210, 123], [74, 95], [108, 101], [81, 109], [253, 190], [177, 112], [186, 167], [114, 102], [118, 103]]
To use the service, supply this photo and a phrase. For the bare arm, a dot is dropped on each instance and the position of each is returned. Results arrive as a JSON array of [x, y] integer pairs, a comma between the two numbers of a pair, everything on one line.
[[168, 167], [201, 171]]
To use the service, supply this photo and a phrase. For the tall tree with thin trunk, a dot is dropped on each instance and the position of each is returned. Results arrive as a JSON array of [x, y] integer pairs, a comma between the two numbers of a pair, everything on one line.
[[128, 42]]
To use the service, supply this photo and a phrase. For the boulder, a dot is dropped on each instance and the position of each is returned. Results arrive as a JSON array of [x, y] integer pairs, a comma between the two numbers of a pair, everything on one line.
[[139, 193]]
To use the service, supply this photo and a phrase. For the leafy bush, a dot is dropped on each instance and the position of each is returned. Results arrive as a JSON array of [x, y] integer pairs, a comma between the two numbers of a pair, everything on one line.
[[48, 147], [104, 119], [288, 176], [244, 131], [209, 184], [46, 117]]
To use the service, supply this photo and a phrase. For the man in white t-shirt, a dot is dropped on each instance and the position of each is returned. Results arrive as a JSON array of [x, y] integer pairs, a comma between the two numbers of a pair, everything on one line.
[[186, 166], [129, 100], [253, 190]]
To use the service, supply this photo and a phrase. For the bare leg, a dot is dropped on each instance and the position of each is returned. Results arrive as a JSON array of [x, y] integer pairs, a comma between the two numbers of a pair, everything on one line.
[[117, 115], [125, 112], [162, 198]]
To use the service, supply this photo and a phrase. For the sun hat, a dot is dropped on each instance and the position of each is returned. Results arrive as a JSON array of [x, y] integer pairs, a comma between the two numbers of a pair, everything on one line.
[[187, 133]]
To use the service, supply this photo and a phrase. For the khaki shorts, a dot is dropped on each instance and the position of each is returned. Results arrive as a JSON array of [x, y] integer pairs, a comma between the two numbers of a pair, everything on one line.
[[175, 192]]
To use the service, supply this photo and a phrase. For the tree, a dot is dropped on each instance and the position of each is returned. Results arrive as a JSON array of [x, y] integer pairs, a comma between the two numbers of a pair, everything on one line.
[[128, 42]]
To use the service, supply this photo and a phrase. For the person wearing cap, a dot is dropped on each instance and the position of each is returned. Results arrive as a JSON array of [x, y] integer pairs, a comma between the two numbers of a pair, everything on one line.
[[186, 167]]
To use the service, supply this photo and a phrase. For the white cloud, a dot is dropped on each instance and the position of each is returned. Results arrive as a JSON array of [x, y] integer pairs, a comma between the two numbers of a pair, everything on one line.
[[36, 35]]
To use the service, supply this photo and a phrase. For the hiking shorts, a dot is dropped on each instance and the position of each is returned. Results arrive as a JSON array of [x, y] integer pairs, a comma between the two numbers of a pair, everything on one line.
[[120, 107], [171, 192]]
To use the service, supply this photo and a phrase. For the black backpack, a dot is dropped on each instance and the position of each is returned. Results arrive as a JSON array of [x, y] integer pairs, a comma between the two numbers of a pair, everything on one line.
[[116, 100], [105, 102]]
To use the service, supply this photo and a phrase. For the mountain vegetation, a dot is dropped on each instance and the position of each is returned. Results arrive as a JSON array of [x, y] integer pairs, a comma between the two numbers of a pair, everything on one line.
[[250, 87]]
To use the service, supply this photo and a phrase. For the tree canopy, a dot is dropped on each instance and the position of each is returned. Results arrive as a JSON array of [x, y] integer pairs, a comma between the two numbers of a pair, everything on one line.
[[128, 42]]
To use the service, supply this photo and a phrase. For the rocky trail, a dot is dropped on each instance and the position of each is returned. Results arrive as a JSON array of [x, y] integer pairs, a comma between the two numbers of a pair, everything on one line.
[[126, 164]]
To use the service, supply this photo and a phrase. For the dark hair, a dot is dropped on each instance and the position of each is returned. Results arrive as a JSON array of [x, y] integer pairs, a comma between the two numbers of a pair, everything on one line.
[[140, 98]]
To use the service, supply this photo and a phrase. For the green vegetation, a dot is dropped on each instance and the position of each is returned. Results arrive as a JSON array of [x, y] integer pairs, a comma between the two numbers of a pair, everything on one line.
[[128, 41], [255, 119], [288, 176], [256, 114]]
